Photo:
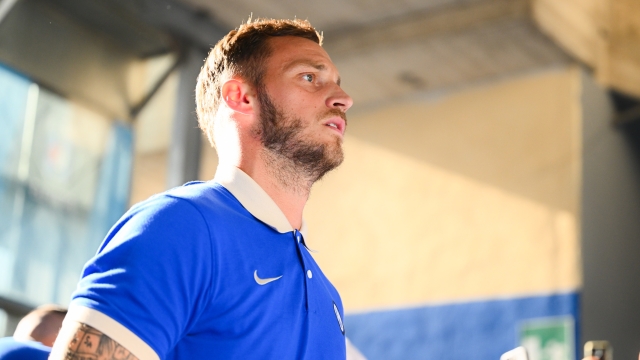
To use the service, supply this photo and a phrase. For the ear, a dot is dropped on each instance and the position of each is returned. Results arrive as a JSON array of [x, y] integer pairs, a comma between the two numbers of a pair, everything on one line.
[[238, 96]]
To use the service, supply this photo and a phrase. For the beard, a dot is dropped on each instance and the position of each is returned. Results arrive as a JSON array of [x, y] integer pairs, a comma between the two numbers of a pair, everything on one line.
[[293, 156]]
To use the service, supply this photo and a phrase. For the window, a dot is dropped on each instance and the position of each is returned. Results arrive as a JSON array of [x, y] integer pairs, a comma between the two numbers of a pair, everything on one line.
[[64, 180]]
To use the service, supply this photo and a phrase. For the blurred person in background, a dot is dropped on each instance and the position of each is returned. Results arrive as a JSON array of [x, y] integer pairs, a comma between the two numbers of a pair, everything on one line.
[[34, 335], [220, 269]]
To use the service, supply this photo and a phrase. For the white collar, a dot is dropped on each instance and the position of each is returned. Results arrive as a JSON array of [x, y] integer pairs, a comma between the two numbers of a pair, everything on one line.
[[254, 198]]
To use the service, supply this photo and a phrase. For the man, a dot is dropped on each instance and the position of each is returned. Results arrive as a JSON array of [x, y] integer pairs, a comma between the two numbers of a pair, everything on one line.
[[34, 335], [220, 270], [41, 325]]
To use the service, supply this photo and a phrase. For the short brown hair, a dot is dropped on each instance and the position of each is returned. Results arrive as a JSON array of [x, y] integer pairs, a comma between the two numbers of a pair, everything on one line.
[[242, 52]]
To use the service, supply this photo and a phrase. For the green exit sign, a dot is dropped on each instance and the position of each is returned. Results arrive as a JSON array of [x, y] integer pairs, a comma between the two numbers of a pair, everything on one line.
[[551, 338]]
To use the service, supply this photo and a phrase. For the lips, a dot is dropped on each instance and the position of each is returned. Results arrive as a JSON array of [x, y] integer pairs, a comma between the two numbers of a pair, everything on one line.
[[336, 123]]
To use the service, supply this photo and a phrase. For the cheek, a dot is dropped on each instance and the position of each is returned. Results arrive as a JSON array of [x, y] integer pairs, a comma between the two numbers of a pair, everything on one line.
[[300, 104], [296, 101]]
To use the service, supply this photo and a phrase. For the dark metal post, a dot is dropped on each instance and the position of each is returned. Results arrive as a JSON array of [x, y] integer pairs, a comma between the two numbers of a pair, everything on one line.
[[184, 153]]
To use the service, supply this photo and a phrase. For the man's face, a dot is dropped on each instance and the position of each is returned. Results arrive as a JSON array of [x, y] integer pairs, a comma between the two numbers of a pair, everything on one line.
[[302, 107]]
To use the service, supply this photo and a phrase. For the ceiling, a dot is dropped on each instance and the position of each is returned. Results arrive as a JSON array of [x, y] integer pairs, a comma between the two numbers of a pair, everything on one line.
[[326, 15], [385, 50], [389, 50]]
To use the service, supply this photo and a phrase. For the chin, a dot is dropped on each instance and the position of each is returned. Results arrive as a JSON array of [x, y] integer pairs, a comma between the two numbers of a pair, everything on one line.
[[333, 157]]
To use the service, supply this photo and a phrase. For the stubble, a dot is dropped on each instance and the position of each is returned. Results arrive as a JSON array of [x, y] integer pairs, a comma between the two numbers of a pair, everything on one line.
[[295, 160]]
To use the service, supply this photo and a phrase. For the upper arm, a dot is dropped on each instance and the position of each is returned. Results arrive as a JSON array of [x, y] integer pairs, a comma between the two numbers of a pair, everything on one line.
[[80, 341], [152, 276]]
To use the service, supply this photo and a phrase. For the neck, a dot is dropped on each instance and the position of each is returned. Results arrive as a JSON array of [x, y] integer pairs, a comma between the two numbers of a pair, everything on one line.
[[278, 177], [289, 177]]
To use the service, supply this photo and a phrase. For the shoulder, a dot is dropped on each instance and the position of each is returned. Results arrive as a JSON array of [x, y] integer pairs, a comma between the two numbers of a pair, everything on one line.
[[11, 349], [203, 197], [197, 214], [187, 204]]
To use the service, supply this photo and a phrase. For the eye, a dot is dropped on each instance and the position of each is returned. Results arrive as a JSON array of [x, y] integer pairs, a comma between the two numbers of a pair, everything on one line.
[[308, 77]]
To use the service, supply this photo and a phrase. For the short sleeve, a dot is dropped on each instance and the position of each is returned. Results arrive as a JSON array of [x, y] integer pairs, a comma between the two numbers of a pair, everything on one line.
[[153, 272]]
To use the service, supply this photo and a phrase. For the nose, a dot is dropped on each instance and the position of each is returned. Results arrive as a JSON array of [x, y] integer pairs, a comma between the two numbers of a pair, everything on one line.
[[339, 99]]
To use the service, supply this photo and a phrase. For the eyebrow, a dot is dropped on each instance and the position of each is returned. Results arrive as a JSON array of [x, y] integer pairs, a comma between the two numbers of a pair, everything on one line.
[[307, 62]]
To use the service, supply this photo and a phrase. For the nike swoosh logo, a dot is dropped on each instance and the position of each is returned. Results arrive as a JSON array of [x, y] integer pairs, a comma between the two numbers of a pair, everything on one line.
[[264, 281]]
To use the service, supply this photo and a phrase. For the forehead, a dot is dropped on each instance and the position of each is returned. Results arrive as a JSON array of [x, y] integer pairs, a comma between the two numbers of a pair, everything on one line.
[[290, 50]]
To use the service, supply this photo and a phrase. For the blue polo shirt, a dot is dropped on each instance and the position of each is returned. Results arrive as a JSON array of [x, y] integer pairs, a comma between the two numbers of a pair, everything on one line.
[[210, 270], [12, 349]]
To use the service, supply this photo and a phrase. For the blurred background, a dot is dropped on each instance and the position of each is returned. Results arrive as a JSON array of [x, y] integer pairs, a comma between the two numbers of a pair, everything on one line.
[[490, 194]]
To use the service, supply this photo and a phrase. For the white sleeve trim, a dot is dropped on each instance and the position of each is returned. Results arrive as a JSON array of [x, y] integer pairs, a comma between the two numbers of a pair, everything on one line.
[[112, 329]]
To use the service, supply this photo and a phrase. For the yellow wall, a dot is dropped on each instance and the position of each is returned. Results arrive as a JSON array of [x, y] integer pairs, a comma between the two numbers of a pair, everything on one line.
[[470, 195]]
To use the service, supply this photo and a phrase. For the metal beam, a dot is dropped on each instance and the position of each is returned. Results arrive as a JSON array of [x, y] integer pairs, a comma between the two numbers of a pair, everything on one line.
[[142, 25], [190, 24], [137, 108]]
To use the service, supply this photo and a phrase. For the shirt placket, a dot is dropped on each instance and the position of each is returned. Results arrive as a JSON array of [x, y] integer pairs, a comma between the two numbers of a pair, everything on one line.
[[306, 268]]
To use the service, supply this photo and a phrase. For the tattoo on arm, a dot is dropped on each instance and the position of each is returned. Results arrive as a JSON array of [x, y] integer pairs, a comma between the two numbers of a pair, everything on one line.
[[90, 344]]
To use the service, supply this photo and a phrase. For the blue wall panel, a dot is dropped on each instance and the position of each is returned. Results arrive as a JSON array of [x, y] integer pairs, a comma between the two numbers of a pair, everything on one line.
[[469, 330]]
